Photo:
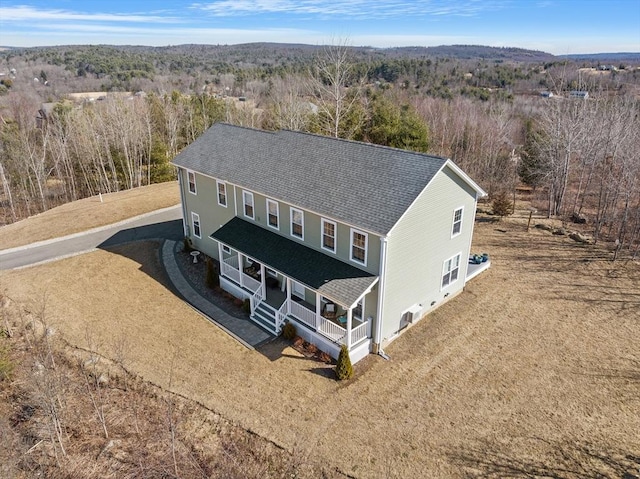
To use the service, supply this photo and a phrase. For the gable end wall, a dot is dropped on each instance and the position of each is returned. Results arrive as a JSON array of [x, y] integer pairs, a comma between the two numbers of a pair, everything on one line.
[[418, 246]]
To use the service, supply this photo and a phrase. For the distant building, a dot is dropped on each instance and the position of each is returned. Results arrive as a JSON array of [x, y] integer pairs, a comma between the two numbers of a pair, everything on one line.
[[579, 94]]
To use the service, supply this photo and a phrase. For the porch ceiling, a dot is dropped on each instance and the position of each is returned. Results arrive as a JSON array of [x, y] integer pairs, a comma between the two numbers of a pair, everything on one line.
[[334, 279]]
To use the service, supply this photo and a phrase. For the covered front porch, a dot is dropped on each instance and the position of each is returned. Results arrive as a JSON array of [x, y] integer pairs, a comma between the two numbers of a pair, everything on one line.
[[327, 300]]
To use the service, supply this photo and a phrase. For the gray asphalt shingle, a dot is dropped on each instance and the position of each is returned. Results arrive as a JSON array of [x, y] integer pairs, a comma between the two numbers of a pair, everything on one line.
[[361, 184]]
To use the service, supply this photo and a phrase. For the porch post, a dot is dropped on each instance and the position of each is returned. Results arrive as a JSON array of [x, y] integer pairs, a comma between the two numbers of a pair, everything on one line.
[[318, 308], [240, 268], [262, 280], [288, 294], [349, 314], [220, 255]]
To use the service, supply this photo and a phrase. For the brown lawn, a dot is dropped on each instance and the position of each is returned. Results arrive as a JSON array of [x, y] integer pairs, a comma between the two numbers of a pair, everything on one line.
[[89, 213], [533, 371]]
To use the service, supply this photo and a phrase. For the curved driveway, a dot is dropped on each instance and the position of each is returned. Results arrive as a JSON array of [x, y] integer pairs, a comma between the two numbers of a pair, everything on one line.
[[164, 224]]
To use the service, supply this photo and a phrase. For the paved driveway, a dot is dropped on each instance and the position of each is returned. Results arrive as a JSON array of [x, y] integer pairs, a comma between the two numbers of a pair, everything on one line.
[[164, 224]]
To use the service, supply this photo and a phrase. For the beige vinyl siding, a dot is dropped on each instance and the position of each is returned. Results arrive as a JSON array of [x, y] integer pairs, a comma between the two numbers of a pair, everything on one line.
[[312, 230], [205, 204], [420, 243]]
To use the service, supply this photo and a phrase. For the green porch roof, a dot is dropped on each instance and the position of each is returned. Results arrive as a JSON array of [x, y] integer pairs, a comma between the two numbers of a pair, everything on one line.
[[335, 280]]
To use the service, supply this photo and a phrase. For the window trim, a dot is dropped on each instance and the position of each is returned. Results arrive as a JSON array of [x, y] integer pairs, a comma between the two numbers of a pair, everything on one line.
[[195, 186], [324, 221], [195, 218], [459, 222], [366, 246], [446, 271], [273, 202], [247, 194], [291, 210], [224, 186]]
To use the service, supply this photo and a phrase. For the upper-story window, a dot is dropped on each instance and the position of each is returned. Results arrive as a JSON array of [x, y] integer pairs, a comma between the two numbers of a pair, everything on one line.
[[273, 214], [328, 235], [457, 222], [195, 223], [192, 181], [247, 198], [359, 241], [450, 270], [297, 223], [222, 193]]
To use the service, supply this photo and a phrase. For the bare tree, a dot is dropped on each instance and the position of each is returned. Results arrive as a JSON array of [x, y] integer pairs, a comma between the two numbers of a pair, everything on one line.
[[334, 85]]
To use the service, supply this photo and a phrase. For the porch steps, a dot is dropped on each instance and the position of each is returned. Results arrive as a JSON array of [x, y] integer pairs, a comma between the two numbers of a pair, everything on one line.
[[264, 316]]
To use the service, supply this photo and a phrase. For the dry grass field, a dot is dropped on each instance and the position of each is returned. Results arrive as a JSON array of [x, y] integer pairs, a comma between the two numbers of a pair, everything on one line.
[[89, 213], [534, 371]]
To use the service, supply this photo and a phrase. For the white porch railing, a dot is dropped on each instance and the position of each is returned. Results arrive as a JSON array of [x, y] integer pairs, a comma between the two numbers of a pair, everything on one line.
[[331, 330], [232, 261], [250, 283], [231, 271], [324, 326], [256, 299], [359, 333], [281, 314], [303, 314]]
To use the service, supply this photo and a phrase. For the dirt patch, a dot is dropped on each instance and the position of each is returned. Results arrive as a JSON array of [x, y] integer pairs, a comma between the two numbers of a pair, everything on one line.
[[533, 371], [89, 213]]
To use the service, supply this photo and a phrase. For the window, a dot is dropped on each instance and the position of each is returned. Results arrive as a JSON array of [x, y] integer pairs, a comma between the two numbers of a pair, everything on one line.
[[192, 181], [297, 223], [222, 193], [450, 270], [195, 223], [359, 242], [328, 235], [457, 222], [271, 273], [226, 249], [273, 214], [248, 204], [297, 289]]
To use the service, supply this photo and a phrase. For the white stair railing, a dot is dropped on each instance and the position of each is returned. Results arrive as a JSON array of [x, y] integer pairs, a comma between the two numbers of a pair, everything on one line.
[[256, 299]]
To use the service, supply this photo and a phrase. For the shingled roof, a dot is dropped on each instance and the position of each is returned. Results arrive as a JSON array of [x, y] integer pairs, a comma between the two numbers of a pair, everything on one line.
[[331, 277], [361, 184]]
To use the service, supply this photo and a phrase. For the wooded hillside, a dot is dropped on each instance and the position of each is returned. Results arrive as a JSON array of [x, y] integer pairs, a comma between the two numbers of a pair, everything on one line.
[[506, 116]]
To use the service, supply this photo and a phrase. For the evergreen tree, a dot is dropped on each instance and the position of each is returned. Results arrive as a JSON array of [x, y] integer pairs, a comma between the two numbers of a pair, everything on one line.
[[344, 369]]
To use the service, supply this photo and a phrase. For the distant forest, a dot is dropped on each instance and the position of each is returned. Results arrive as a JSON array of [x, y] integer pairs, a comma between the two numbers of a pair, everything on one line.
[[565, 126]]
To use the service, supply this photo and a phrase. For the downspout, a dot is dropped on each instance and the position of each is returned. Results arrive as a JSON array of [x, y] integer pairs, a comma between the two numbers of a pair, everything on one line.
[[377, 337], [473, 224]]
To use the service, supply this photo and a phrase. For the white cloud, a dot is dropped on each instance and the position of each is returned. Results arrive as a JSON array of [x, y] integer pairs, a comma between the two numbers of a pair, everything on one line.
[[26, 14], [355, 8]]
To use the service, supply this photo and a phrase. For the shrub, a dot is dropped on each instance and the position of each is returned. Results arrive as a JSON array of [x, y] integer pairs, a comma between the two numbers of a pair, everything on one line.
[[246, 306], [344, 369], [212, 275], [502, 205], [289, 331], [188, 248]]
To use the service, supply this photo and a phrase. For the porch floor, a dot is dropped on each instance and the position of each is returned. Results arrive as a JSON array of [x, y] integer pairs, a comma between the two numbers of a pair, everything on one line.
[[474, 270], [275, 297]]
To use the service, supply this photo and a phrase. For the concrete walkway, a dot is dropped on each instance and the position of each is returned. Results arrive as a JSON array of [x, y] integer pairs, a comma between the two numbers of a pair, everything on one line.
[[242, 330]]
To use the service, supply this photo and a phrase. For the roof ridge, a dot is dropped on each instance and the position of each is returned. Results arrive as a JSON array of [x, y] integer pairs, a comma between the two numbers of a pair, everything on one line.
[[325, 137], [365, 143]]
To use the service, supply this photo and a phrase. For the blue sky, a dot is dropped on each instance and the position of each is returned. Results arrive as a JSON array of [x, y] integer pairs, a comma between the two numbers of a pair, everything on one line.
[[554, 26]]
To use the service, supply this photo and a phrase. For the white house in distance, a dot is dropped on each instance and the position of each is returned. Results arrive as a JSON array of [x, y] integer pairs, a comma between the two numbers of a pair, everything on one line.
[[351, 242]]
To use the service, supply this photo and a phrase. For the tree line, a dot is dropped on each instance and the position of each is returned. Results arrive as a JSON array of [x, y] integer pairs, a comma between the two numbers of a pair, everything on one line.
[[580, 156]]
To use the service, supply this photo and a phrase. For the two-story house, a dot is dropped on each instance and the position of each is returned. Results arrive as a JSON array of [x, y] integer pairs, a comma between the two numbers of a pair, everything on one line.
[[349, 241]]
